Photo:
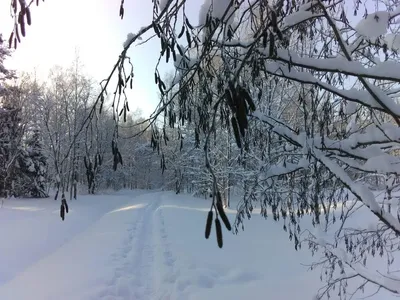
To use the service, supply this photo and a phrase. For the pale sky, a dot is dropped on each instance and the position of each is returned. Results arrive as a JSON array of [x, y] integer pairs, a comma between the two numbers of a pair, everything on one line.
[[94, 27]]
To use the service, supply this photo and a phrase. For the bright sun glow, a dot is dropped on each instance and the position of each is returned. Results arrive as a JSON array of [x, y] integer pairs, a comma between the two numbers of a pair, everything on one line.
[[93, 30], [130, 207]]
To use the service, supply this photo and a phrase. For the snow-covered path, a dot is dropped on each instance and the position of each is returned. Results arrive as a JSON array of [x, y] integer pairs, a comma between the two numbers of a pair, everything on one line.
[[97, 262], [141, 246], [135, 260]]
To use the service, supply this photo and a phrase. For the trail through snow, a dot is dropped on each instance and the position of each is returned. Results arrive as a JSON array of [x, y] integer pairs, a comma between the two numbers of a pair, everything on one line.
[[141, 246], [133, 278]]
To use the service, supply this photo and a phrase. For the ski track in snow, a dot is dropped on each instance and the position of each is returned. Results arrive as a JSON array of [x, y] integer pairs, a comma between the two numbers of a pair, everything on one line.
[[135, 274], [168, 258]]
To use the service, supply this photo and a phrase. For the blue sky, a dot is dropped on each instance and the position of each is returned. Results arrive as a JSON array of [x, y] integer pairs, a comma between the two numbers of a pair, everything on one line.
[[59, 27]]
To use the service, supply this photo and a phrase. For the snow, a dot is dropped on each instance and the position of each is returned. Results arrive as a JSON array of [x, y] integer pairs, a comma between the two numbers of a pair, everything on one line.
[[352, 125], [350, 108], [298, 17], [217, 8], [129, 38], [384, 163], [374, 25], [142, 246], [393, 41], [385, 70], [360, 96], [163, 4], [145, 245]]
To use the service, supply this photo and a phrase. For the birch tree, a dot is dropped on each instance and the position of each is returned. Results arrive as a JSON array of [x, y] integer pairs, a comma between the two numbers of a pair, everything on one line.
[[344, 84]]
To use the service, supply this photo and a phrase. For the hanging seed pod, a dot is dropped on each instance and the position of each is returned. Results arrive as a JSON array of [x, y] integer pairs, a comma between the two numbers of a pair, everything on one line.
[[121, 11], [115, 165], [182, 32], [241, 116], [62, 212], [271, 45], [168, 54], [265, 38], [28, 16], [218, 230], [188, 39], [173, 54], [119, 157], [248, 99], [223, 216], [22, 24], [64, 202], [188, 24], [236, 132], [10, 40], [209, 224]]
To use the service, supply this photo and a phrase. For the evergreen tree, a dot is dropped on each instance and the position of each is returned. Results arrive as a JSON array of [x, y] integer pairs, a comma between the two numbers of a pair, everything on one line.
[[10, 149], [34, 166]]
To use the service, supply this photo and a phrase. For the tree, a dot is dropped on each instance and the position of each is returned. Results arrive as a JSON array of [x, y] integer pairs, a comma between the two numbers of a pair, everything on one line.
[[23, 162], [6, 116], [10, 147], [342, 88], [35, 166]]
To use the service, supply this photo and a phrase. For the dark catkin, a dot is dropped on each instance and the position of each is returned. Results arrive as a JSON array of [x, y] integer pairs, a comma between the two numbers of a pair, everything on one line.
[[22, 24], [62, 212], [28, 16], [223, 216], [236, 132], [209, 224], [218, 230], [10, 40], [64, 202]]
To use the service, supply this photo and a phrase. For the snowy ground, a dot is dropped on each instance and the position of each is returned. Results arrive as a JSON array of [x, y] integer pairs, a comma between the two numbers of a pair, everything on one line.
[[143, 245]]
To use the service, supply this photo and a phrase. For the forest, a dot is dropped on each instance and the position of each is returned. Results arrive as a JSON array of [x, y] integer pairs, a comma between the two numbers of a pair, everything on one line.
[[292, 106]]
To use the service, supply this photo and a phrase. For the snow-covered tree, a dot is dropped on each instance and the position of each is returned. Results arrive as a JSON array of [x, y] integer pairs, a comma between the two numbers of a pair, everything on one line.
[[35, 166], [341, 88], [337, 124], [10, 147]]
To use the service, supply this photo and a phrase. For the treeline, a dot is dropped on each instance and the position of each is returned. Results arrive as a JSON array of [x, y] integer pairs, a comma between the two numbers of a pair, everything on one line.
[[49, 139]]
